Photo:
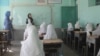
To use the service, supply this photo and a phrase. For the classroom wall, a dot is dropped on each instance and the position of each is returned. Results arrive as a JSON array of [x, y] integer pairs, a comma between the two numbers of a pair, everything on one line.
[[56, 8], [88, 13]]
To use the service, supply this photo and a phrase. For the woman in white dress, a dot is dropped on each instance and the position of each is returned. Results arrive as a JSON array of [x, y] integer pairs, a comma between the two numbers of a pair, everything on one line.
[[51, 33], [42, 30], [31, 46]]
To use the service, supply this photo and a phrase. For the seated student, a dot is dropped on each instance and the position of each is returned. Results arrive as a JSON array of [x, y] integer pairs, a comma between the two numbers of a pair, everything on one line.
[[77, 26], [51, 33], [70, 27], [42, 30], [31, 46], [89, 28], [97, 25], [96, 31]]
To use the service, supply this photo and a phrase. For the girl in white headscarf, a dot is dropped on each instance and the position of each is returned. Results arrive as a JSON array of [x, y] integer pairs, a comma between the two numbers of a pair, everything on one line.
[[97, 31], [70, 27], [31, 46], [42, 30], [89, 28], [77, 25], [51, 33]]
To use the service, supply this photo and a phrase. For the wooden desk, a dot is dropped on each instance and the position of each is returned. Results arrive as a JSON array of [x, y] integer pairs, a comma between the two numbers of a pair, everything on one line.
[[4, 31], [79, 31], [80, 40], [95, 40], [52, 41], [70, 38], [3, 42], [51, 46], [93, 36]]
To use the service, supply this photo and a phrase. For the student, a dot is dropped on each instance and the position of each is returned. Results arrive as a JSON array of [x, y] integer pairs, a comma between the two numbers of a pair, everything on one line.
[[8, 26], [70, 27], [30, 17], [51, 33], [77, 26], [42, 30], [97, 25], [31, 46], [96, 31], [89, 28]]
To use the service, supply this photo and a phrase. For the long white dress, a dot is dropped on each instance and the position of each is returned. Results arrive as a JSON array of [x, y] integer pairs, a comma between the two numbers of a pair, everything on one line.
[[32, 46], [51, 33]]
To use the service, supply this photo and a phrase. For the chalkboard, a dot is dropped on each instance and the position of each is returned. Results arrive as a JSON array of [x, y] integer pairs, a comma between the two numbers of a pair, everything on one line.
[[39, 13], [4, 2], [68, 14]]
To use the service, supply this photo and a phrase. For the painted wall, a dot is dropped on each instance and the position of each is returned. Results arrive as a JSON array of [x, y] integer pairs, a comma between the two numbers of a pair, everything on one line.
[[20, 16], [88, 14]]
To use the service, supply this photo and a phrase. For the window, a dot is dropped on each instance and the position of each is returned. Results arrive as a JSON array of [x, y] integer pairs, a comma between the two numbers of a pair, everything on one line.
[[94, 2], [97, 2]]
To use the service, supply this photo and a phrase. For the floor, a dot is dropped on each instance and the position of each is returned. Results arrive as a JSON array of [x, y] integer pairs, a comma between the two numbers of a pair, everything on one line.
[[16, 50]]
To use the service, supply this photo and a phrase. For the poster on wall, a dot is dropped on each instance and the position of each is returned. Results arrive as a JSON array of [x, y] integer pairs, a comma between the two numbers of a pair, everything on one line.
[[54, 1], [41, 2]]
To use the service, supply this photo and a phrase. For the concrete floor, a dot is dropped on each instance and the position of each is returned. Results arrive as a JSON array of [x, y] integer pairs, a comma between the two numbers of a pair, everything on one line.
[[16, 50]]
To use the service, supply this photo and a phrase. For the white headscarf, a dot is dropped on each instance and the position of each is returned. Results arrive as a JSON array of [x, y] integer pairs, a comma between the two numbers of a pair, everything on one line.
[[97, 31], [51, 33], [32, 46], [77, 25], [89, 27], [70, 27], [43, 28]]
